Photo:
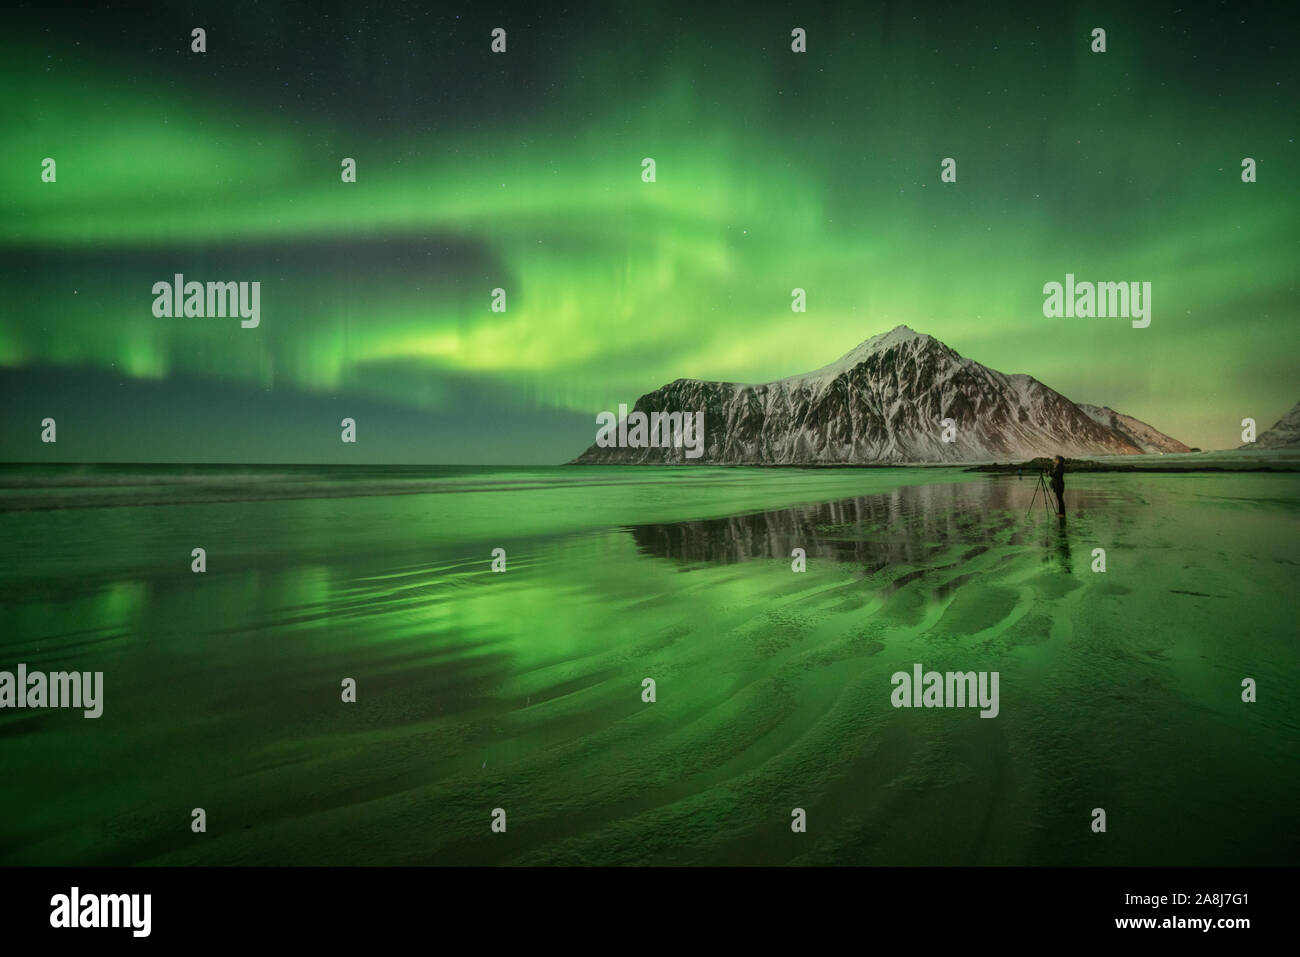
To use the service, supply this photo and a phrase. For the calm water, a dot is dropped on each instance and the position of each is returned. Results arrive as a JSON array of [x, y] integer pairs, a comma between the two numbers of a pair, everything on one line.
[[522, 690]]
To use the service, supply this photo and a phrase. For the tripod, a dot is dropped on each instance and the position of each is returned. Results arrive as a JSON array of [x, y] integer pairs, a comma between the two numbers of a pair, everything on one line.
[[1046, 493]]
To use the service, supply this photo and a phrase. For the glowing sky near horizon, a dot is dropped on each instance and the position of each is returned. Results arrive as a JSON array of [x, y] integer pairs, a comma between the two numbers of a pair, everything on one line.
[[522, 171]]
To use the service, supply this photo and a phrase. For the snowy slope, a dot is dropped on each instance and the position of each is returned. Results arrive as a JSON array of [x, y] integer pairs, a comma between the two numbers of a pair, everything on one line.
[[1284, 433], [1145, 437]]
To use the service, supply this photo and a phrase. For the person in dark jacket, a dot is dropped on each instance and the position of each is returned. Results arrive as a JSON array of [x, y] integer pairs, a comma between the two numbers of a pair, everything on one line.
[[1058, 484]]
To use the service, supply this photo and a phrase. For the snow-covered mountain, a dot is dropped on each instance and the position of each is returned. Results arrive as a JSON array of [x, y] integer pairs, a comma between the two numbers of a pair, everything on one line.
[[884, 402], [1139, 433], [1284, 433]]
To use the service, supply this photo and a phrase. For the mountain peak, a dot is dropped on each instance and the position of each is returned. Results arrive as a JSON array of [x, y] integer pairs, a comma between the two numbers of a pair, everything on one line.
[[898, 336], [894, 337], [903, 330]]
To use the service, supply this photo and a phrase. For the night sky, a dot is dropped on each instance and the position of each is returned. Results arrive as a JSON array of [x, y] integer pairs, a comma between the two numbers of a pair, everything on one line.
[[522, 170]]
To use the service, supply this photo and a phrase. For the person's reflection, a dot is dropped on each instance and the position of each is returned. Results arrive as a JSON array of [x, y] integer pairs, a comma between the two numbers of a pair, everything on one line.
[[1063, 544]]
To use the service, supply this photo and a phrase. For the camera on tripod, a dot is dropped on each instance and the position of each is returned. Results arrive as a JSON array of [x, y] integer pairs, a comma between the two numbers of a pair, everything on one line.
[[1041, 487]]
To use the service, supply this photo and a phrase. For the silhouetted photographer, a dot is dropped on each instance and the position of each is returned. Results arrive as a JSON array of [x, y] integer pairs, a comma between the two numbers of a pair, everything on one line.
[[1058, 484]]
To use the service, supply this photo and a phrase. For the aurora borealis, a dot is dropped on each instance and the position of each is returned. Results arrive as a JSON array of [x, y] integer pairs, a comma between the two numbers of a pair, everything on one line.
[[522, 171]]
